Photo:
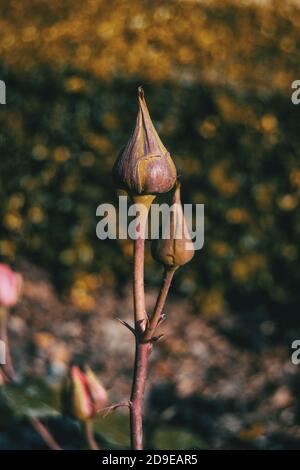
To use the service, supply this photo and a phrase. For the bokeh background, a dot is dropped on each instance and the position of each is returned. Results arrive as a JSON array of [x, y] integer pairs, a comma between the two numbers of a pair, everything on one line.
[[217, 77]]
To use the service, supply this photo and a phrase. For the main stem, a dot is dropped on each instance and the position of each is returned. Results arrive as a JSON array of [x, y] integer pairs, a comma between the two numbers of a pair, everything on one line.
[[144, 332], [142, 350]]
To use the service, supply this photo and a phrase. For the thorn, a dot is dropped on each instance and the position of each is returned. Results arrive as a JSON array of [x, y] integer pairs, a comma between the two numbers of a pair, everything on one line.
[[129, 327], [156, 338], [111, 408], [162, 318]]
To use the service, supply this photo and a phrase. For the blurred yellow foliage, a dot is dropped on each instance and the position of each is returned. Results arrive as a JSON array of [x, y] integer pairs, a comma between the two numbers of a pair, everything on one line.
[[13, 221], [224, 184], [238, 215], [61, 154], [36, 214], [153, 39], [269, 123], [211, 303], [246, 266], [288, 202], [220, 249]]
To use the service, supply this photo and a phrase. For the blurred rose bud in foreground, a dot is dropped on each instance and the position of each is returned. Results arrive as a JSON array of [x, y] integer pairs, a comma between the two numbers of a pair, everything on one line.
[[10, 286], [83, 395], [10, 290], [144, 167], [176, 249]]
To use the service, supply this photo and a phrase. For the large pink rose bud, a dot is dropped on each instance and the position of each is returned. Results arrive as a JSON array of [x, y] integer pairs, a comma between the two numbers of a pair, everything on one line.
[[10, 286]]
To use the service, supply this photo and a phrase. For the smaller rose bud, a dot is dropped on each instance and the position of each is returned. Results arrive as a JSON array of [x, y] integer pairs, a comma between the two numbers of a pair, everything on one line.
[[144, 167], [82, 395], [6, 368], [76, 398], [176, 249], [10, 289], [10, 286]]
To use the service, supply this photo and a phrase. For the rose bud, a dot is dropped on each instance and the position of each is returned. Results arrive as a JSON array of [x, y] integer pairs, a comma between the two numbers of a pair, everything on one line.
[[177, 248], [83, 395], [144, 167], [10, 286], [97, 391], [10, 289], [6, 369]]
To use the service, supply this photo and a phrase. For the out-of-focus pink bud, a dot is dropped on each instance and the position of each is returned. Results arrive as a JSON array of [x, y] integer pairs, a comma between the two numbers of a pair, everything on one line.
[[83, 395], [7, 372], [10, 286], [97, 391]]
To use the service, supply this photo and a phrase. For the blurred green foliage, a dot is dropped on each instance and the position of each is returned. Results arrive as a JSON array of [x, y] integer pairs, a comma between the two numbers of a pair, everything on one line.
[[217, 79]]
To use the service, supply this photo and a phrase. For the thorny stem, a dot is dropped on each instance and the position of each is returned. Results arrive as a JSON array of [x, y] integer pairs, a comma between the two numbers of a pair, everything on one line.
[[142, 352], [44, 433], [89, 435], [143, 345]]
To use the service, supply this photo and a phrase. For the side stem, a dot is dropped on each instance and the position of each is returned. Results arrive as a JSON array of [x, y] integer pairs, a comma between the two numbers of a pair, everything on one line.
[[44, 433], [160, 303], [89, 435]]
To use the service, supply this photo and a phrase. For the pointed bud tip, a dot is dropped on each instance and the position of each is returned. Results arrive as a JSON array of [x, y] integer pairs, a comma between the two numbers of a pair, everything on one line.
[[144, 167], [141, 92]]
